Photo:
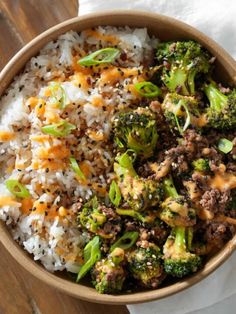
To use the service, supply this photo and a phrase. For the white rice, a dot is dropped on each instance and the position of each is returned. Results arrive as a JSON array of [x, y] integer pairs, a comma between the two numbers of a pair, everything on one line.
[[56, 241]]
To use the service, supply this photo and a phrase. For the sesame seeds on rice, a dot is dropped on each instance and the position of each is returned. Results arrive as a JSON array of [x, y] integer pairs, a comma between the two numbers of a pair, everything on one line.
[[45, 223]]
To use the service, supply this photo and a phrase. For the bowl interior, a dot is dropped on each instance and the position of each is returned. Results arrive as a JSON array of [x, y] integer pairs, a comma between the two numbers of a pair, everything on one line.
[[164, 28]]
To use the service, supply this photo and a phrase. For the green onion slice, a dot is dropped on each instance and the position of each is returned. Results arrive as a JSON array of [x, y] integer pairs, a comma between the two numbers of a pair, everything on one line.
[[60, 129], [126, 162], [147, 89], [76, 168], [17, 189], [131, 213], [92, 254], [225, 146], [106, 55], [126, 241], [114, 194], [58, 94], [187, 121]]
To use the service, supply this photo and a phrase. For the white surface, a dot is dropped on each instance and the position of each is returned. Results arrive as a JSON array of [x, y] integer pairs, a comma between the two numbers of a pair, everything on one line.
[[216, 18], [216, 287]]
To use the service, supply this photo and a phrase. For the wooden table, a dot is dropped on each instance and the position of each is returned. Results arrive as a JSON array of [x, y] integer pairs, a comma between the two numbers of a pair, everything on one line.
[[20, 293]]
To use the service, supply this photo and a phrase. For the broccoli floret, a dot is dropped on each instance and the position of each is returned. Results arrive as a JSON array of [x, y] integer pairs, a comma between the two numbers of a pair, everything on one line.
[[145, 265], [178, 261], [175, 209], [181, 112], [97, 218], [139, 193], [201, 164], [182, 62], [136, 130], [221, 114], [108, 275]]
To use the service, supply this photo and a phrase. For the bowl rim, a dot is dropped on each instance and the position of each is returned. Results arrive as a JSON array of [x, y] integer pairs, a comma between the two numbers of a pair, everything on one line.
[[66, 286]]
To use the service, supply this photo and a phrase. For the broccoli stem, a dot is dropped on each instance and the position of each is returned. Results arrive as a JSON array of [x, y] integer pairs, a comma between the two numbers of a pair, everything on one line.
[[178, 78], [191, 82], [189, 238], [216, 98], [169, 188], [180, 239], [126, 162]]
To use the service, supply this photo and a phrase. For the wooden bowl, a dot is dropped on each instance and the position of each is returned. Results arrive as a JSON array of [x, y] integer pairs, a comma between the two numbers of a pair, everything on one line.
[[165, 28]]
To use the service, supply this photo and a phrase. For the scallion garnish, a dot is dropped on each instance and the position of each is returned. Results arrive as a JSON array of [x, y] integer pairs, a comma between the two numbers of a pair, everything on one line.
[[17, 188], [61, 129], [126, 241], [106, 55], [92, 254], [114, 193], [130, 212], [147, 89], [225, 146], [76, 168], [58, 94], [188, 117]]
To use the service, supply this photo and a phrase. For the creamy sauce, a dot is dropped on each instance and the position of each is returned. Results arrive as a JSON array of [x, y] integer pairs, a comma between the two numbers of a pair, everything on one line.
[[96, 136], [193, 190], [200, 121], [99, 36], [223, 181], [82, 79], [26, 205], [98, 101], [161, 170], [59, 151], [113, 74], [7, 201], [6, 136]]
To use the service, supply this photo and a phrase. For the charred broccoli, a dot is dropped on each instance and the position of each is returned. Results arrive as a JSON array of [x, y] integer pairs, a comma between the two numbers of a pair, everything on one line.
[[175, 209], [145, 265], [182, 112], [182, 62], [221, 114], [108, 274], [178, 261], [201, 164], [99, 219], [136, 130], [139, 193]]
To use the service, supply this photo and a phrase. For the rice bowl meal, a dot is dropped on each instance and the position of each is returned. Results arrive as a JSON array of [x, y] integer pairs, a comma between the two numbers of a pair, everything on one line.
[[118, 158]]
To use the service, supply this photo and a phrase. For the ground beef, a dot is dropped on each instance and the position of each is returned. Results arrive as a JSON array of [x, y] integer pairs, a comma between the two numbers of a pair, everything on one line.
[[188, 150], [108, 211], [194, 146], [112, 227], [113, 224], [231, 167], [214, 156], [180, 166], [131, 226], [218, 233], [159, 234], [76, 207], [144, 170], [215, 200]]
